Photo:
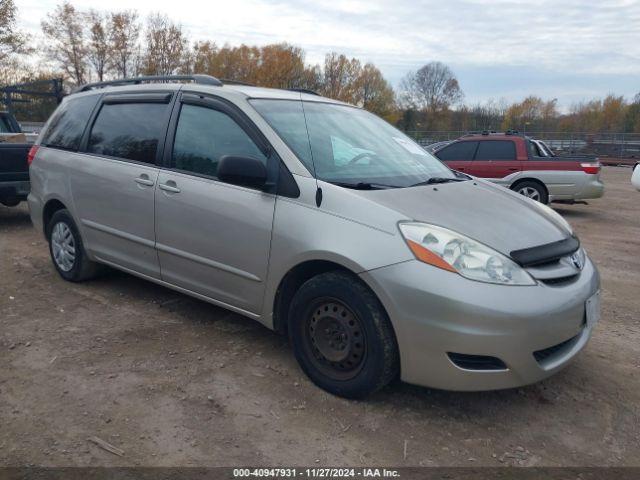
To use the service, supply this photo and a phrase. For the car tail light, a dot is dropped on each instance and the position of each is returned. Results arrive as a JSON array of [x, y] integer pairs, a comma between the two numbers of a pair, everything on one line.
[[591, 168], [32, 154]]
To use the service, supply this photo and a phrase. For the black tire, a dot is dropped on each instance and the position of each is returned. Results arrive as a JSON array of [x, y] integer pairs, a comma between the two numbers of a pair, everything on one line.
[[541, 194], [81, 268], [356, 320]]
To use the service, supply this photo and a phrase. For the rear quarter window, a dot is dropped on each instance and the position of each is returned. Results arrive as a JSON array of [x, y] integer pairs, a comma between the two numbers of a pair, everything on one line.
[[68, 122], [461, 151], [496, 150]]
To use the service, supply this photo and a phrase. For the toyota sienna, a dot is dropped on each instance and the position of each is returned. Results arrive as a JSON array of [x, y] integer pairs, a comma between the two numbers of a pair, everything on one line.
[[319, 220]]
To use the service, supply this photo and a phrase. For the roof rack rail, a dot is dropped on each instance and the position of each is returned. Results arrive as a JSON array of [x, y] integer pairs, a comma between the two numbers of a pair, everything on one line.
[[228, 81], [304, 90], [200, 79]]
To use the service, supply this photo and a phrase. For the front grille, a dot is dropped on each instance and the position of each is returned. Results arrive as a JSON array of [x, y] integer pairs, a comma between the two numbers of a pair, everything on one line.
[[560, 280], [476, 362], [551, 353]]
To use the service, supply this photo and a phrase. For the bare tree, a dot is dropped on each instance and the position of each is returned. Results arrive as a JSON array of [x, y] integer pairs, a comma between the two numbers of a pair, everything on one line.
[[433, 88], [123, 43], [11, 40], [98, 51], [166, 46], [66, 43]]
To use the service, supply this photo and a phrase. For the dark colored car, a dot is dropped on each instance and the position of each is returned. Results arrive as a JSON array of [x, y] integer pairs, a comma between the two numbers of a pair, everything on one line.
[[14, 169]]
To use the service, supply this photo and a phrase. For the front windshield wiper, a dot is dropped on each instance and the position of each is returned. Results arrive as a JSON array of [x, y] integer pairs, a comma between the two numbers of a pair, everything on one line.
[[365, 185], [435, 180]]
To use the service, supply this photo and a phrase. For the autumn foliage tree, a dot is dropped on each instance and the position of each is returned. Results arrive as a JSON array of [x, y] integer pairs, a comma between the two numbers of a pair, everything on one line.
[[66, 43], [12, 41], [98, 51], [531, 112], [93, 45], [124, 49], [166, 46]]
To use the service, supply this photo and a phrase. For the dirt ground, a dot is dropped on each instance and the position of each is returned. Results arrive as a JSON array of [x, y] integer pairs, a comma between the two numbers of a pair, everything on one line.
[[174, 381]]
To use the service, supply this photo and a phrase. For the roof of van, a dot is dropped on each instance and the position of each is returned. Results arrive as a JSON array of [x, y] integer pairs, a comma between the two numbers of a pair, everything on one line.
[[232, 89]]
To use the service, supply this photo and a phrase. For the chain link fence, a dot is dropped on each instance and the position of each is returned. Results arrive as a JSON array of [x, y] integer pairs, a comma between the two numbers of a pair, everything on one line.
[[615, 145]]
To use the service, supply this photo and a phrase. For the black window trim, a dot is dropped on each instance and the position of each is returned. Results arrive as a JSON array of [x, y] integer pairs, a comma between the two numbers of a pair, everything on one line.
[[281, 181], [513, 143], [122, 98], [114, 99]]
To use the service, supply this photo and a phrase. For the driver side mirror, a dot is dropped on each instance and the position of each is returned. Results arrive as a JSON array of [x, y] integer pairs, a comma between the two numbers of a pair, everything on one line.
[[243, 171]]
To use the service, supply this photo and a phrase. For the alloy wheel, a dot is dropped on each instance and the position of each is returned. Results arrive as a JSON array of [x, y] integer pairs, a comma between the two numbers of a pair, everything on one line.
[[63, 246], [530, 192]]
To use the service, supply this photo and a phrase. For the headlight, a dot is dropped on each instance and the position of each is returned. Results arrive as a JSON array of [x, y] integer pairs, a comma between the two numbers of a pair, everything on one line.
[[454, 252]]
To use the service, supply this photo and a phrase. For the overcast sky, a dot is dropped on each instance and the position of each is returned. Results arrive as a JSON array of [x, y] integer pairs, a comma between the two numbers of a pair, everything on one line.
[[571, 50]]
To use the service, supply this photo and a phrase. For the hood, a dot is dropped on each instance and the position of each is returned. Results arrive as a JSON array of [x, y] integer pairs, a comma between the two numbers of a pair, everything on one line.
[[493, 215]]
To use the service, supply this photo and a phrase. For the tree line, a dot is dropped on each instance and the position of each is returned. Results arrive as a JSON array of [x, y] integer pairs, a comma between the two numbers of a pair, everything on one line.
[[90, 45]]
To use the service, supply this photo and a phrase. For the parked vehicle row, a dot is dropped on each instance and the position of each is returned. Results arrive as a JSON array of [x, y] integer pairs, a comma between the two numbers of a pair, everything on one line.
[[319, 220], [526, 166], [14, 169]]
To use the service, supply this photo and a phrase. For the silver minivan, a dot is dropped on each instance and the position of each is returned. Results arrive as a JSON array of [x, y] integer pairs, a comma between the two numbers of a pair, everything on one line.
[[319, 220]]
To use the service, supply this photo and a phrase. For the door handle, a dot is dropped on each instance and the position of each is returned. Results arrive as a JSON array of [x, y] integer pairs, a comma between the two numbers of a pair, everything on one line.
[[512, 169], [144, 180], [170, 186]]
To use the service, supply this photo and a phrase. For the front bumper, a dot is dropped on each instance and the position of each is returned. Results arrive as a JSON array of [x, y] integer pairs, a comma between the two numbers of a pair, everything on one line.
[[435, 312]]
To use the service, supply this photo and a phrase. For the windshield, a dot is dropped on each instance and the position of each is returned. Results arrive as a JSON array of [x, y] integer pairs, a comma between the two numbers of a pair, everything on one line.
[[349, 146]]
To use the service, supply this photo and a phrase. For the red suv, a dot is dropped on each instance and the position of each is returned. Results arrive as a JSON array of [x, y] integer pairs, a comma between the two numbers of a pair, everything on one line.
[[522, 164]]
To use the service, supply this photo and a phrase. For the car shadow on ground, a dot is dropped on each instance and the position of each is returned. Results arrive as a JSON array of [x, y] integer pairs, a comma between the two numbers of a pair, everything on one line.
[[14, 216], [243, 330], [569, 213]]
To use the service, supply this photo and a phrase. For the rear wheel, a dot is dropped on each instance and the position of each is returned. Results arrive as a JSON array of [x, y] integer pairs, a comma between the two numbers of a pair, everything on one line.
[[67, 250], [532, 190], [342, 336]]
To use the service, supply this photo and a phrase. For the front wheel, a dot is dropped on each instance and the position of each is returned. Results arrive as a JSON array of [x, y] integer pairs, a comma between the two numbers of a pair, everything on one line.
[[532, 190], [342, 336], [67, 250]]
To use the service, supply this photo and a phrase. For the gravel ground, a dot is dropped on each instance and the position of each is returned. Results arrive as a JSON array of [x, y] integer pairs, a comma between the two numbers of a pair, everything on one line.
[[173, 381]]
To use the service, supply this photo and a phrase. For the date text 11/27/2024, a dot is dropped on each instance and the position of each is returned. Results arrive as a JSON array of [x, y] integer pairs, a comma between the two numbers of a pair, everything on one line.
[[317, 472]]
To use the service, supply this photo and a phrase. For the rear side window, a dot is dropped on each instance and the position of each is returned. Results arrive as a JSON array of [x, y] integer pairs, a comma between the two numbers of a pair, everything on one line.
[[457, 151], [67, 124], [131, 131], [496, 150], [204, 135]]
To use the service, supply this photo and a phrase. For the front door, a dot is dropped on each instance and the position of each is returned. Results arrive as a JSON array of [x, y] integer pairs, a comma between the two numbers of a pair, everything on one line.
[[458, 155], [495, 159], [213, 238], [114, 181]]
